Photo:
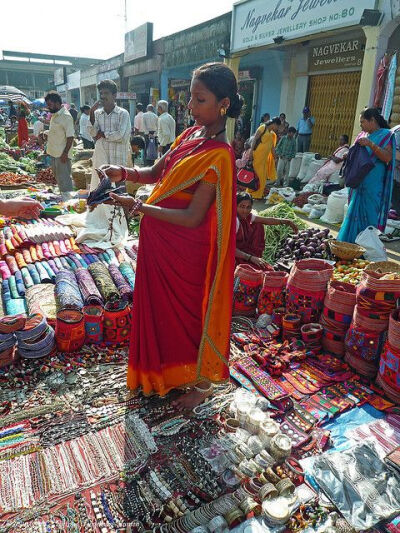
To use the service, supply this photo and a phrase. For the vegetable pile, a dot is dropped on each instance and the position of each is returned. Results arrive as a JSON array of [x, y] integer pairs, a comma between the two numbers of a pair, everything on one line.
[[306, 244], [46, 176], [8, 164], [349, 271], [275, 235], [10, 178]]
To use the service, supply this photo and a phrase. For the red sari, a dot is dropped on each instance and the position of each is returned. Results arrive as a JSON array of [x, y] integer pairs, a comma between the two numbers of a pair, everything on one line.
[[23, 132], [250, 238], [184, 278]]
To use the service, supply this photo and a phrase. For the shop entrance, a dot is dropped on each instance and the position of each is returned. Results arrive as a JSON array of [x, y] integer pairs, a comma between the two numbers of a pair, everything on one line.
[[247, 88], [332, 99]]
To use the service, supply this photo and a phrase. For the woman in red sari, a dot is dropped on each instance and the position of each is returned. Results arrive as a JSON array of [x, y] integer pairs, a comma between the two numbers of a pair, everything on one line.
[[250, 235], [23, 132], [184, 279]]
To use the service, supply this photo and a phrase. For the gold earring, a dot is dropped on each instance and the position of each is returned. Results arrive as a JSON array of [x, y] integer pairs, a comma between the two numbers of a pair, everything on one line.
[[223, 111]]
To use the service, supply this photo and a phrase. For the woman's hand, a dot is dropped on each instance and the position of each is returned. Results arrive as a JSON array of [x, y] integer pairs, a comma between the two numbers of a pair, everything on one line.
[[291, 224], [133, 205], [258, 261], [25, 208], [364, 141], [112, 171]]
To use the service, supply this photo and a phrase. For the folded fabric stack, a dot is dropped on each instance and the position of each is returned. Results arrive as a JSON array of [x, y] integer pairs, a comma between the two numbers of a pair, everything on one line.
[[312, 337]]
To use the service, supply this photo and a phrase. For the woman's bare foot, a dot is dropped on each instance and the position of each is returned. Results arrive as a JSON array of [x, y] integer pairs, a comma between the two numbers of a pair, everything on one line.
[[194, 397]]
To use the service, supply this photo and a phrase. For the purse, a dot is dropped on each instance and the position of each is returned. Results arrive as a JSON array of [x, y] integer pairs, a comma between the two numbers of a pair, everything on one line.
[[247, 178], [358, 164]]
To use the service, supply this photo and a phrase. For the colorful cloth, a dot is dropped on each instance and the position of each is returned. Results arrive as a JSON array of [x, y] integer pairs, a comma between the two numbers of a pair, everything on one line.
[[94, 316], [104, 282], [263, 160], [128, 273], [40, 299], [23, 132], [122, 285], [184, 279], [369, 204], [67, 291], [390, 84], [87, 286]]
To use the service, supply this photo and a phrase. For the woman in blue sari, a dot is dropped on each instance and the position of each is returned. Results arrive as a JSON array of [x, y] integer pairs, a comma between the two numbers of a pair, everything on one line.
[[369, 204]]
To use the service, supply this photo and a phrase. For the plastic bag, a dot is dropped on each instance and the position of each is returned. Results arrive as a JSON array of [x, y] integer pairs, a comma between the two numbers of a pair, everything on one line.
[[369, 239]]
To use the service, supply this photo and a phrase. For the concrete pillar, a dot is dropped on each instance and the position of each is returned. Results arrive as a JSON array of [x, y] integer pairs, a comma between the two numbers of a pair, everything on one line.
[[233, 63], [375, 47]]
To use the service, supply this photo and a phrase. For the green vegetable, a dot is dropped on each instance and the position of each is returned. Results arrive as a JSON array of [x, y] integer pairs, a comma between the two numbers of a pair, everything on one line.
[[275, 235]]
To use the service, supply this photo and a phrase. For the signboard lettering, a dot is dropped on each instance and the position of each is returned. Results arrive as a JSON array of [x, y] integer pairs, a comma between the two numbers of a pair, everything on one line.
[[347, 53], [257, 23]]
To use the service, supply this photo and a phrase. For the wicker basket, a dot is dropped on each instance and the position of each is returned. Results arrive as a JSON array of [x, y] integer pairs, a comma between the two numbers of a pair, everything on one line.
[[346, 250], [384, 267]]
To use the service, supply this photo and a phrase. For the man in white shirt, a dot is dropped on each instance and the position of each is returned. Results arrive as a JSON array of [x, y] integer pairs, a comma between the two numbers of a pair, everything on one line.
[[88, 143], [150, 127], [38, 127], [110, 128], [60, 138], [138, 122], [166, 127]]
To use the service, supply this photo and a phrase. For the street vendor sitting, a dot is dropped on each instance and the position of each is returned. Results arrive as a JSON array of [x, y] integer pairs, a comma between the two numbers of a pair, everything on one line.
[[250, 238]]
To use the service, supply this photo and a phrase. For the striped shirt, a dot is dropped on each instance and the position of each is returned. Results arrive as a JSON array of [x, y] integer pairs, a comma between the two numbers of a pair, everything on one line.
[[116, 127]]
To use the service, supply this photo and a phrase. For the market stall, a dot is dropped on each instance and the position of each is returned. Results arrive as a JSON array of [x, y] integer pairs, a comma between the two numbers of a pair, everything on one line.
[[304, 437]]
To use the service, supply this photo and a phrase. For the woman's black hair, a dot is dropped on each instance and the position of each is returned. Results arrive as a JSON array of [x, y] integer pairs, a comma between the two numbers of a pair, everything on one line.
[[275, 120], [221, 81], [345, 137], [373, 112], [85, 108], [244, 196]]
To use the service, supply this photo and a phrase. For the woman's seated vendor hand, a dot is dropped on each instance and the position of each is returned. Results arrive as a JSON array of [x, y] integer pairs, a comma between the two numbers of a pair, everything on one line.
[[258, 261], [112, 171]]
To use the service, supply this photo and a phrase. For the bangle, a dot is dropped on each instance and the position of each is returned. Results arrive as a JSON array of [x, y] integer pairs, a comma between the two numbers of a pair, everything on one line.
[[124, 173], [137, 204]]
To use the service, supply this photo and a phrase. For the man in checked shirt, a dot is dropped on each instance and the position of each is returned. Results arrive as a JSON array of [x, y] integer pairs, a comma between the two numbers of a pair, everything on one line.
[[109, 126]]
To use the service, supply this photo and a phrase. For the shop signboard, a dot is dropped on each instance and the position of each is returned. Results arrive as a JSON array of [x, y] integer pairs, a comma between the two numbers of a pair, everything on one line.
[[343, 54], [138, 42], [126, 96], [60, 76], [74, 80], [257, 22]]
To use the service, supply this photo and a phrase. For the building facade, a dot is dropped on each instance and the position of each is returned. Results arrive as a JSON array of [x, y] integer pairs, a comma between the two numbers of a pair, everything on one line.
[[320, 54], [183, 52], [34, 73]]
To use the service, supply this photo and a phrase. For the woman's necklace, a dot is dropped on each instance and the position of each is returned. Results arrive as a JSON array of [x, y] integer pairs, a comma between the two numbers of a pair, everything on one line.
[[215, 134]]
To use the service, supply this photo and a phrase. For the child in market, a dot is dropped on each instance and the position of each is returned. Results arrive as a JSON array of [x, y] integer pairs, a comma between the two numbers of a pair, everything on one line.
[[285, 150]]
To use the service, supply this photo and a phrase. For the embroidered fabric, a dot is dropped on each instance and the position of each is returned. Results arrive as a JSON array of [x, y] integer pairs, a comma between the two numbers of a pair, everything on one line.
[[87, 286], [104, 282], [359, 483], [41, 299], [67, 291]]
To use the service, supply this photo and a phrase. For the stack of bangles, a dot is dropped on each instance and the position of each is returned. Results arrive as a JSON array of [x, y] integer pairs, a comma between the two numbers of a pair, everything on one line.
[[124, 172]]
